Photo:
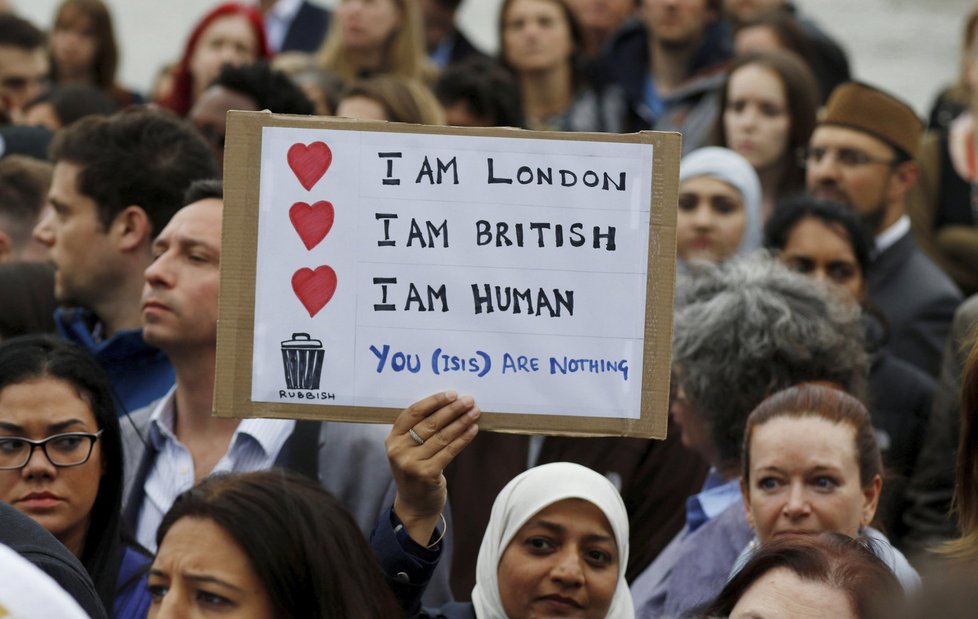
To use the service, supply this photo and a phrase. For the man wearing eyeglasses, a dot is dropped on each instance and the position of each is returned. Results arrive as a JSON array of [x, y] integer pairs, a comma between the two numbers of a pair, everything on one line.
[[24, 63], [862, 154]]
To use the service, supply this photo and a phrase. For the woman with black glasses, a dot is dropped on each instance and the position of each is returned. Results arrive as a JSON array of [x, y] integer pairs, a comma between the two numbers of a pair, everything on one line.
[[61, 462]]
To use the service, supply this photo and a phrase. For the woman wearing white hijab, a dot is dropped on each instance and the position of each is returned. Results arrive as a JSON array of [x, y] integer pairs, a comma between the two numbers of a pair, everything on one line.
[[557, 540], [719, 208]]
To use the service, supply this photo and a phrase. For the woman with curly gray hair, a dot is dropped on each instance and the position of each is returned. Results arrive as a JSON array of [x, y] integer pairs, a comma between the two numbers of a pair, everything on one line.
[[743, 330]]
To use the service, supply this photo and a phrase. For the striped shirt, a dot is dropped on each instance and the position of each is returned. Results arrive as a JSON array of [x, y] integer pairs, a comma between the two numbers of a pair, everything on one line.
[[254, 446]]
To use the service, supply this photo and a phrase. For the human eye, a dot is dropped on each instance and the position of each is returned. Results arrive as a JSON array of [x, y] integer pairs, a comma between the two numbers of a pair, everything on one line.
[[852, 157], [841, 272], [771, 110], [725, 205], [599, 557], [209, 598], [800, 264], [736, 105], [816, 153], [768, 483], [688, 201], [157, 592], [11, 445], [539, 545], [825, 482], [66, 443]]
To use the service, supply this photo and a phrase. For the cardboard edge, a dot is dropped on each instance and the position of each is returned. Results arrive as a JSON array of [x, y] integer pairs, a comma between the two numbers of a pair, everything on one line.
[[236, 311]]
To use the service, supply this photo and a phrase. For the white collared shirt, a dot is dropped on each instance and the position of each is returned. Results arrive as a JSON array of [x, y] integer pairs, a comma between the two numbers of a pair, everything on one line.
[[254, 446], [887, 238], [277, 21]]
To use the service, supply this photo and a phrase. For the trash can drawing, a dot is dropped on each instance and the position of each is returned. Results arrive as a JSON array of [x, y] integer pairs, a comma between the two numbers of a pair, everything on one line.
[[302, 357]]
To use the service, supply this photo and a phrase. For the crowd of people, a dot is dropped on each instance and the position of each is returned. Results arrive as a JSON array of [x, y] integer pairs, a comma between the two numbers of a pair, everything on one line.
[[822, 452]]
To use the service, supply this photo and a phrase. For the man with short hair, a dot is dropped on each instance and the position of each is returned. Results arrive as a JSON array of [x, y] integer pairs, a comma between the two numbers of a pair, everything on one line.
[[444, 42], [24, 64], [175, 442], [24, 184], [671, 64], [862, 154], [248, 88], [117, 181]]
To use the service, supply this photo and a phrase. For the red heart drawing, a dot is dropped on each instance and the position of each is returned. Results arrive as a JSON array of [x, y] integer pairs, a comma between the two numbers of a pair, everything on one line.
[[312, 222], [314, 288], [309, 163]]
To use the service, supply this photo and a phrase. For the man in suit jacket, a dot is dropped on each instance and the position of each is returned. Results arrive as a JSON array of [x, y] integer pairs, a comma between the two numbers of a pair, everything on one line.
[[445, 43], [295, 25], [862, 154]]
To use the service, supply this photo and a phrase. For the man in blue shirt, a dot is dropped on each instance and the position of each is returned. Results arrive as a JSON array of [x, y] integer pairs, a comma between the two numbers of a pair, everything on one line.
[[117, 181]]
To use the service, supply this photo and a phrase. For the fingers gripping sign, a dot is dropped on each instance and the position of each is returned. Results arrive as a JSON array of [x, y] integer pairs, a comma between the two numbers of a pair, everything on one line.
[[425, 438]]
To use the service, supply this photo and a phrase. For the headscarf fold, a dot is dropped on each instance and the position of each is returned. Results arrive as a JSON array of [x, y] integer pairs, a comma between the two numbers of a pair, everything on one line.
[[525, 496], [731, 168]]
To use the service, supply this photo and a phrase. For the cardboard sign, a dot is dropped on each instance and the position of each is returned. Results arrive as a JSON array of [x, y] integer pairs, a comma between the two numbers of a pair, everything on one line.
[[366, 265]]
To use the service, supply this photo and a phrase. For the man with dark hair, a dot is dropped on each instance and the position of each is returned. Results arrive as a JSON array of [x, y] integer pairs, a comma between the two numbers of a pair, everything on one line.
[[249, 88], [671, 63], [175, 442], [477, 92], [444, 42], [24, 184], [117, 181], [24, 63], [862, 154]]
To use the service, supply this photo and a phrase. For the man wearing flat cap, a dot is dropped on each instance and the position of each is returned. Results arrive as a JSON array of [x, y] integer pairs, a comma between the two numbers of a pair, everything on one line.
[[862, 154]]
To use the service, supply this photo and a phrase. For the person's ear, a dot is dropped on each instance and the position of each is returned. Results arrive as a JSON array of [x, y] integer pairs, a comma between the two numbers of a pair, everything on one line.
[[903, 178], [871, 499], [132, 228]]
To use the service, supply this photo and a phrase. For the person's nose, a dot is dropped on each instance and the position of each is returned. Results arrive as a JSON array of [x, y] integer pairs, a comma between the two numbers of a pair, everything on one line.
[[44, 230], [568, 570], [702, 217], [747, 118], [797, 505], [160, 272], [39, 465]]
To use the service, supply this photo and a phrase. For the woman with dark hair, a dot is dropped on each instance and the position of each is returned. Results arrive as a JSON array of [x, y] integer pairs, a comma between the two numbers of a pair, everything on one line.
[[832, 244], [391, 98], [769, 102], [84, 49], [265, 544], [230, 33], [61, 462], [812, 464], [540, 43], [828, 575]]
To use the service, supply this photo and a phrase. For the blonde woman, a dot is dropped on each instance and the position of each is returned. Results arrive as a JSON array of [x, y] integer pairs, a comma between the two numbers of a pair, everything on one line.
[[371, 37]]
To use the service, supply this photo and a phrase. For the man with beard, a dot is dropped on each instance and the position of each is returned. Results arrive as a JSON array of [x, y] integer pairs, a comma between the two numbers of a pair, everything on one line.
[[671, 62], [862, 154]]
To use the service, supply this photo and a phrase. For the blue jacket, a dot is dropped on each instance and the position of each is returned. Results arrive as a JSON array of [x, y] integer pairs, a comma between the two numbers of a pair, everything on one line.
[[139, 373], [132, 598]]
